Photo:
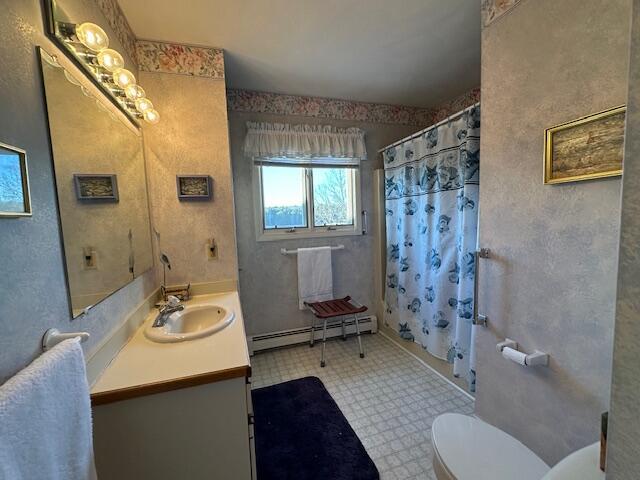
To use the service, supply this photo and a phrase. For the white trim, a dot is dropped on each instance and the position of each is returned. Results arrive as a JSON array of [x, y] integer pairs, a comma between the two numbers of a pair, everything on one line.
[[309, 231], [298, 336], [426, 365]]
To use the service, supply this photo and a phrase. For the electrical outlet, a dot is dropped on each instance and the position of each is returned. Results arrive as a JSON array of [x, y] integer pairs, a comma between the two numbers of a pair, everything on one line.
[[212, 249]]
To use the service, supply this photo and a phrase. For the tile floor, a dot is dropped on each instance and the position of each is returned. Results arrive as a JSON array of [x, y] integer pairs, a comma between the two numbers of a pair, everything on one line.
[[389, 398]]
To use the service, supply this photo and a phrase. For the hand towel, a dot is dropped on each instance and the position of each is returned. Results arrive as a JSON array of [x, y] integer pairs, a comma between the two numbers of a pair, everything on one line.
[[315, 278], [45, 419]]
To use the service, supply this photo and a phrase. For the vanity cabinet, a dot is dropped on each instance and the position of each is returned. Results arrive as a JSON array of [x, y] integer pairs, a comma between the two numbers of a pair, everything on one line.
[[177, 410], [197, 432]]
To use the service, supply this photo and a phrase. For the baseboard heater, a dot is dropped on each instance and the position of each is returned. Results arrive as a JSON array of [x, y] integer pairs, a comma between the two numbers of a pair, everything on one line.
[[295, 336]]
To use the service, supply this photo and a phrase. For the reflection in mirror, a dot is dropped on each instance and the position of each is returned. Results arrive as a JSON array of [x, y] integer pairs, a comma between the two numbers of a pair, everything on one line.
[[102, 195], [14, 183]]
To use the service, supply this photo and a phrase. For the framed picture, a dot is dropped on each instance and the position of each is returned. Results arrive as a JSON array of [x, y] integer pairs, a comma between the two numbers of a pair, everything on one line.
[[96, 187], [586, 148], [15, 199], [193, 187]]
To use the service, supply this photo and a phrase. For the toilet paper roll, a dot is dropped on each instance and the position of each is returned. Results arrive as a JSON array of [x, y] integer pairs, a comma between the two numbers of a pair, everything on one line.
[[514, 355]]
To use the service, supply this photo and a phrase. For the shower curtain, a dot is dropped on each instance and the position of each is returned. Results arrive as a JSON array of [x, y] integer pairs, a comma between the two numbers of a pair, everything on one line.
[[431, 203]]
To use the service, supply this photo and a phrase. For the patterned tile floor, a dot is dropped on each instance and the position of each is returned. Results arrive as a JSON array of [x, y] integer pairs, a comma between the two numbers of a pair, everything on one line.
[[389, 398]]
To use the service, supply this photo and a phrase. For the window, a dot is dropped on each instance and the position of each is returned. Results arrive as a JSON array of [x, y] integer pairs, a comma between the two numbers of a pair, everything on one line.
[[295, 200], [284, 197]]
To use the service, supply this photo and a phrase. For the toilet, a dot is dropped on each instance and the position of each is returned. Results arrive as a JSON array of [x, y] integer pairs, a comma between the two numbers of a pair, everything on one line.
[[466, 448]]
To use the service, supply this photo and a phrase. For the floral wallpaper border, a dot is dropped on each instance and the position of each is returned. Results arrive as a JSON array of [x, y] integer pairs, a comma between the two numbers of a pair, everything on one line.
[[118, 22], [180, 59], [279, 104], [455, 105], [494, 9]]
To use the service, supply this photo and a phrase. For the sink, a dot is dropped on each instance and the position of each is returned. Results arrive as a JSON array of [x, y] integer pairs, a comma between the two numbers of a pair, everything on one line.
[[193, 322]]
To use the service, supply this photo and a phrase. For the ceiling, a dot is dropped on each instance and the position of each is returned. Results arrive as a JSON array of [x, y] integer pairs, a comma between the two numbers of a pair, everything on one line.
[[404, 52]]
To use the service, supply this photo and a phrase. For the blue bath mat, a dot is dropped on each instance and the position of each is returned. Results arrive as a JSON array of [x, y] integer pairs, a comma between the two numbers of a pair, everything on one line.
[[301, 434]]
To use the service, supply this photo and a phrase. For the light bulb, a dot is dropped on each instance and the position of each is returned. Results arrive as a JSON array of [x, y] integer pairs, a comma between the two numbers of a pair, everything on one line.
[[144, 104], [151, 116], [134, 92], [92, 36], [110, 60], [123, 78]]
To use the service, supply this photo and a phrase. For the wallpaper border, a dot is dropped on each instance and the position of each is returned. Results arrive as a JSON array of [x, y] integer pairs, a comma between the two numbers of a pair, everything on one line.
[[239, 100], [494, 9], [176, 58], [455, 105]]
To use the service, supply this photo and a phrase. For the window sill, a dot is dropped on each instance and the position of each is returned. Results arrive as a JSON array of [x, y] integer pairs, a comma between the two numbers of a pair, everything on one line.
[[279, 236]]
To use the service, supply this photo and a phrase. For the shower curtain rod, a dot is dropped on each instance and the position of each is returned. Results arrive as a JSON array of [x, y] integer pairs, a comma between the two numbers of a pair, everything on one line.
[[436, 125]]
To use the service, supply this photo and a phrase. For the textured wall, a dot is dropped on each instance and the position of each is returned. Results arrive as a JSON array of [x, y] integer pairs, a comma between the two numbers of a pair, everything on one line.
[[191, 139], [623, 462], [551, 282], [32, 282], [268, 280]]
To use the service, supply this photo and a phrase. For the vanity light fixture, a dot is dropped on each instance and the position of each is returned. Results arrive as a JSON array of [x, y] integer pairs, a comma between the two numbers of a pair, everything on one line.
[[123, 78], [134, 92], [92, 36], [151, 116], [89, 44], [143, 104], [110, 60]]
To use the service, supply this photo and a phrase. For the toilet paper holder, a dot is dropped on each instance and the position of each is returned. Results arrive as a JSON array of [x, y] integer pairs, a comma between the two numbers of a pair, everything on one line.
[[537, 358]]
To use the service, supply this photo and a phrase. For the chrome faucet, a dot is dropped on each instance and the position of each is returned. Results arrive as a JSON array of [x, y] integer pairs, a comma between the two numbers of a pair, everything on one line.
[[173, 305]]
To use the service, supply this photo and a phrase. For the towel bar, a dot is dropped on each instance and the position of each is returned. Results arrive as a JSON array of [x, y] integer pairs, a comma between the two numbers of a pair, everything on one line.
[[53, 336], [284, 251]]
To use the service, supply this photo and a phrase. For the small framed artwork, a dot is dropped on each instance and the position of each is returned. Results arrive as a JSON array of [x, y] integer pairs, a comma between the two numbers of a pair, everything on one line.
[[193, 187], [587, 148], [15, 199], [96, 187]]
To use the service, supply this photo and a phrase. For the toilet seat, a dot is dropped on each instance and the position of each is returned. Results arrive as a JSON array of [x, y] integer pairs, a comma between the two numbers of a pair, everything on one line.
[[466, 448]]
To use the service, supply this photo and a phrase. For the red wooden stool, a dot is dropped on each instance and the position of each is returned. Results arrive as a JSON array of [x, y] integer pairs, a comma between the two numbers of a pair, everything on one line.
[[339, 307]]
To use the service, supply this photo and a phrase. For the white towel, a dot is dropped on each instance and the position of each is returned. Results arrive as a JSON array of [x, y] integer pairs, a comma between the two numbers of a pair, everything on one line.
[[315, 279], [45, 419]]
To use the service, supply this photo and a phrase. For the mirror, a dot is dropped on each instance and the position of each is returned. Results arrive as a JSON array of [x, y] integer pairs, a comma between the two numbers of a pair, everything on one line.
[[101, 188], [14, 183]]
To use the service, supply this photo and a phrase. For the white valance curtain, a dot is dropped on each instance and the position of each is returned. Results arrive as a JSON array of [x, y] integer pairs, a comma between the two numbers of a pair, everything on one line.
[[269, 143]]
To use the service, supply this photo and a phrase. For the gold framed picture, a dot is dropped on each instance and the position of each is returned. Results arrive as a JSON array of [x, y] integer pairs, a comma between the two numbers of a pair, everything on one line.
[[587, 148]]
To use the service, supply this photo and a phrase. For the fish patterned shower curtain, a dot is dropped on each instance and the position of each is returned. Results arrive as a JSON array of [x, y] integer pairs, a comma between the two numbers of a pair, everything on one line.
[[431, 203]]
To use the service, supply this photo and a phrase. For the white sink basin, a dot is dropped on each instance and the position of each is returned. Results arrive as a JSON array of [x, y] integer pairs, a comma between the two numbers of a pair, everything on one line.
[[193, 322]]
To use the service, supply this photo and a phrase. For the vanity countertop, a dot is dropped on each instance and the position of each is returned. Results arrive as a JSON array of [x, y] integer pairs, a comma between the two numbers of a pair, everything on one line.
[[143, 367]]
